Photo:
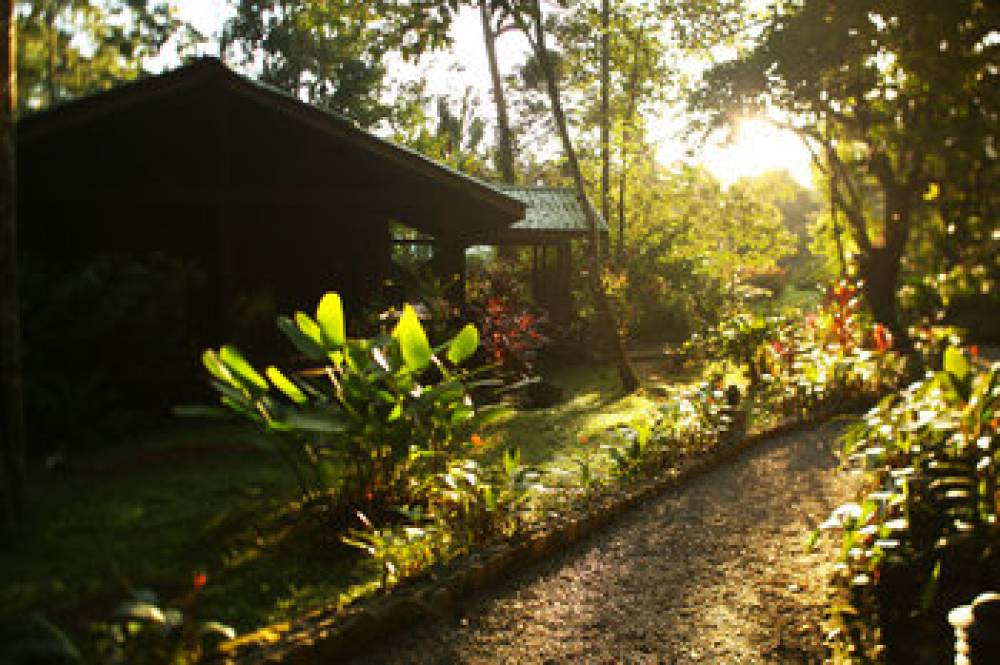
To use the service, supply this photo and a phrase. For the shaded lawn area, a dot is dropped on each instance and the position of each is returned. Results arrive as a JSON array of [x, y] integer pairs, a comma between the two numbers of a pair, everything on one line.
[[152, 513]]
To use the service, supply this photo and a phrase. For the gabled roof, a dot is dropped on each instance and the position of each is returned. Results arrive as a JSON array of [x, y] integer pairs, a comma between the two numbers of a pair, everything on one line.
[[550, 212], [450, 200]]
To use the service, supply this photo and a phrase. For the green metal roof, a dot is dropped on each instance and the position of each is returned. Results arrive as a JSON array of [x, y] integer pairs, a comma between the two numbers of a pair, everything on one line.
[[551, 209]]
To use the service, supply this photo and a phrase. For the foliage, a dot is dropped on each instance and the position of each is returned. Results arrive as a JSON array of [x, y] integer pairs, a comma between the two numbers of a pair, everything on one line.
[[481, 505], [923, 537], [141, 631], [693, 247], [70, 48], [366, 424], [399, 550], [107, 343], [511, 328], [438, 128], [331, 53], [897, 102], [413, 281]]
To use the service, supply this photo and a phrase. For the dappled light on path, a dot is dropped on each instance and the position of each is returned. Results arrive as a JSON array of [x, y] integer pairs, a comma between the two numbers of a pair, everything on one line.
[[715, 571]]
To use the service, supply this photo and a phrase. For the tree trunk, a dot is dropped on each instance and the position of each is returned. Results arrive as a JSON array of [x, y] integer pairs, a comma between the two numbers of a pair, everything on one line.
[[13, 434], [605, 318], [505, 143], [605, 115], [880, 265], [633, 92], [52, 46]]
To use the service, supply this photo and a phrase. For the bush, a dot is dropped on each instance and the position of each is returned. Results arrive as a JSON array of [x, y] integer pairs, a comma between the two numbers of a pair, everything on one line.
[[369, 419], [923, 538], [108, 345]]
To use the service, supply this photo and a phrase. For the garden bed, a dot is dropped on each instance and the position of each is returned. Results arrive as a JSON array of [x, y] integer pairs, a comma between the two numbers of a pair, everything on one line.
[[151, 513], [337, 632]]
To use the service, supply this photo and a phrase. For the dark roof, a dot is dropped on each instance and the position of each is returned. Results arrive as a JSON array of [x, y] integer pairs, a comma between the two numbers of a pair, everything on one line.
[[452, 201]]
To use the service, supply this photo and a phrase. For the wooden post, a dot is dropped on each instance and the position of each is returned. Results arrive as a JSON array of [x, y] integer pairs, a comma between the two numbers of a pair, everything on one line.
[[449, 264]]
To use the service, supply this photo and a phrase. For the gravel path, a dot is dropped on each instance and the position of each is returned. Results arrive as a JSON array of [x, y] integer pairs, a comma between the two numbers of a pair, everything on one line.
[[713, 572]]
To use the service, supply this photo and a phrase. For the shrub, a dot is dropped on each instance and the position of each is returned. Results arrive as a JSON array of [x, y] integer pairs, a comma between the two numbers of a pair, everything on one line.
[[369, 419], [110, 344], [924, 537]]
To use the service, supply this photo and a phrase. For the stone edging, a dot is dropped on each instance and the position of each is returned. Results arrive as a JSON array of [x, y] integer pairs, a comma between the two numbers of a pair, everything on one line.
[[329, 635]]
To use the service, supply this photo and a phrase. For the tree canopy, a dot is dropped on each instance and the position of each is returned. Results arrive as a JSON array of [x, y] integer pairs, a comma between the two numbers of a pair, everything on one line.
[[898, 101]]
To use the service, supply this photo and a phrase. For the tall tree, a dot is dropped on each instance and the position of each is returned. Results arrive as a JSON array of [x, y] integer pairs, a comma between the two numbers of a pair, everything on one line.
[[605, 118], [330, 52], [12, 430], [71, 48], [530, 19], [492, 19], [898, 102]]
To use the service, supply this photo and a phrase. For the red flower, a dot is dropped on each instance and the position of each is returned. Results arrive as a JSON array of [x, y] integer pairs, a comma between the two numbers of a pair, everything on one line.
[[199, 581], [974, 350], [370, 496], [882, 337], [584, 439], [476, 440], [778, 347]]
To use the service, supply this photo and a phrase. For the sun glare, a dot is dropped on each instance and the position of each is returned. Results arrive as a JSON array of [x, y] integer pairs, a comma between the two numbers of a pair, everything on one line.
[[758, 147]]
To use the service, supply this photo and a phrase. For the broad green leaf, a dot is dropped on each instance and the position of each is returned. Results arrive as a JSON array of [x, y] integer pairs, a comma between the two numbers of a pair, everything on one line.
[[463, 345], [234, 360], [309, 327], [330, 315], [317, 422], [210, 359], [306, 345], [412, 340], [282, 383], [955, 363]]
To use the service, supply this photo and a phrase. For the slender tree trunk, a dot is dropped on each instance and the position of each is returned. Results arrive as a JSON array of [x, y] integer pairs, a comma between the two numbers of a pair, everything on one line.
[[626, 140], [52, 46], [621, 200], [841, 259], [605, 318], [605, 115], [505, 142], [11, 388]]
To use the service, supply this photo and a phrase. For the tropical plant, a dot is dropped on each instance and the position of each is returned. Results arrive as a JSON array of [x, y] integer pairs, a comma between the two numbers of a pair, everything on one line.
[[479, 504], [923, 538], [369, 418], [142, 630], [399, 550]]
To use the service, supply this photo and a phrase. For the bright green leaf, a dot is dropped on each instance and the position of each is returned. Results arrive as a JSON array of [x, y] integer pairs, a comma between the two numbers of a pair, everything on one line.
[[413, 343], [306, 345], [309, 327], [955, 363], [463, 345], [330, 316], [234, 360], [282, 383]]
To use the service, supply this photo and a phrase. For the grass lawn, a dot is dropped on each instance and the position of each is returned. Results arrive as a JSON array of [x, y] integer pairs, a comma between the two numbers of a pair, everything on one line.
[[152, 512]]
